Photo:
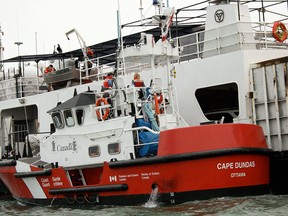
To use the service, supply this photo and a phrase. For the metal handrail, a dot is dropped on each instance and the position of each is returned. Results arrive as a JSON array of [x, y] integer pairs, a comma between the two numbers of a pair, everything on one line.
[[192, 46]]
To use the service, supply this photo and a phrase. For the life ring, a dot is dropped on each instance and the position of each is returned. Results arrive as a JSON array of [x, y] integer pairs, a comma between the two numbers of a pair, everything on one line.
[[107, 110], [279, 31]]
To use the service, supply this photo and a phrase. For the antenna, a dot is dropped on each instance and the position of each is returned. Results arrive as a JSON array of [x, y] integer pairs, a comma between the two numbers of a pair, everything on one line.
[[141, 11], [120, 38], [18, 43], [1, 52], [36, 43]]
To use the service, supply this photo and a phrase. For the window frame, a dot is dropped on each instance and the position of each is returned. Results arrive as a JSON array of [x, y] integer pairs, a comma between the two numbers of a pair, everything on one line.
[[53, 115], [116, 151], [91, 154], [66, 118], [83, 116]]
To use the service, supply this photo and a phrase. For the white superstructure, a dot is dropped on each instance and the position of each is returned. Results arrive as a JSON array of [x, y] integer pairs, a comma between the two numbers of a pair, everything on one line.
[[212, 78]]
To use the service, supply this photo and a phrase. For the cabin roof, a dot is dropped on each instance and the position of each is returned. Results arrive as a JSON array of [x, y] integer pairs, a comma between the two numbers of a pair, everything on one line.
[[81, 99]]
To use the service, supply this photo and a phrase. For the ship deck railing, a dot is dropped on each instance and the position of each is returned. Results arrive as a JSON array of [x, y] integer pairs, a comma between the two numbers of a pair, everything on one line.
[[201, 44], [21, 87], [217, 41]]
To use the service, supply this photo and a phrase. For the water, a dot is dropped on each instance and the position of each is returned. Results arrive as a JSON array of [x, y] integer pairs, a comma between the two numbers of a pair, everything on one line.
[[267, 205]]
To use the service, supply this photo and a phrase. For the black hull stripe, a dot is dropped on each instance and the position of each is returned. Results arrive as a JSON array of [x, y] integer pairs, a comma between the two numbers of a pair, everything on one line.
[[141, 199], [106, 188], [33, 174], [8, 163], [188, 156]]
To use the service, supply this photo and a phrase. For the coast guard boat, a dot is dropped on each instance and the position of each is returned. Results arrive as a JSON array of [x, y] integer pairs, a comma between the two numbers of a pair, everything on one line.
[[117, 145]]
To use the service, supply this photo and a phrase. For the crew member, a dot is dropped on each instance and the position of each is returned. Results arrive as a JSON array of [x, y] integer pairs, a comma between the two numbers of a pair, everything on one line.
[[49, 69], [108, 82], [137, 82], [90, 53]]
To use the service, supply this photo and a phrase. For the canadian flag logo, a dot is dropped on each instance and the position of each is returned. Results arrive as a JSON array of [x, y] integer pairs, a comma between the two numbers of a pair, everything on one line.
[[112, 178]]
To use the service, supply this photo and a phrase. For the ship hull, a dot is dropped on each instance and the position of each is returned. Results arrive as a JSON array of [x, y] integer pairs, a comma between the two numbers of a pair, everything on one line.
[[237, 172]]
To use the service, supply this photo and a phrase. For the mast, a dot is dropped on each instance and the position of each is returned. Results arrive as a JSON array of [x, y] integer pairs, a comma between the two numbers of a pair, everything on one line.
[[1, 53], [164, 18], [120, 43]]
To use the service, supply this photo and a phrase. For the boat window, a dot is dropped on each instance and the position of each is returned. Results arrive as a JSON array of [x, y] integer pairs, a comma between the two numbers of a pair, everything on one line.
[[114, 148], [94, 151], [57, 119], [69, 118], [219, 102], [80, 116]]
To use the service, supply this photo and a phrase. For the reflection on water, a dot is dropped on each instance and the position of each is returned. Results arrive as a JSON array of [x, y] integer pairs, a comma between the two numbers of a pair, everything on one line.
[[267, 205]]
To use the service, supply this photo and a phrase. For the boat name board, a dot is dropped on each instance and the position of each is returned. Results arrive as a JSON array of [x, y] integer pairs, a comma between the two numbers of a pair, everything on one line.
[[236, 165]]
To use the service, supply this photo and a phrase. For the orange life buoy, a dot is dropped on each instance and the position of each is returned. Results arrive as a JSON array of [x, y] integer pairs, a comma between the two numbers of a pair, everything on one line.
[[107, 111], [279, 31]]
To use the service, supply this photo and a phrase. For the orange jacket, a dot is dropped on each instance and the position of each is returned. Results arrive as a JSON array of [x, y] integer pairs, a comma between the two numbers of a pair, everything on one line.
[[108, 82], [90, 53]]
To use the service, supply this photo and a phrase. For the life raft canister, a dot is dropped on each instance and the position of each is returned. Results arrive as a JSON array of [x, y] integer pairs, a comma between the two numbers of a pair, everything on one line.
[[107, 110], [279, 31]]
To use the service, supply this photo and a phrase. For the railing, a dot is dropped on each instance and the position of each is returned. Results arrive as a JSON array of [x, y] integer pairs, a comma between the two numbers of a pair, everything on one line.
[[227, 39], [21, 87], [100, 69], [140, 102], [204, 44], [197, 45], [21, 144]]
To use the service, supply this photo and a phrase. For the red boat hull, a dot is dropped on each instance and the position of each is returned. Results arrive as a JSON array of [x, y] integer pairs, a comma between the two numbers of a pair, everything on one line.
[[179, 176]]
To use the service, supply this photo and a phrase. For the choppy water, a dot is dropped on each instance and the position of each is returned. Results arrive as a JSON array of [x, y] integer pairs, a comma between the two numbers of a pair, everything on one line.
[[267, 205]]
